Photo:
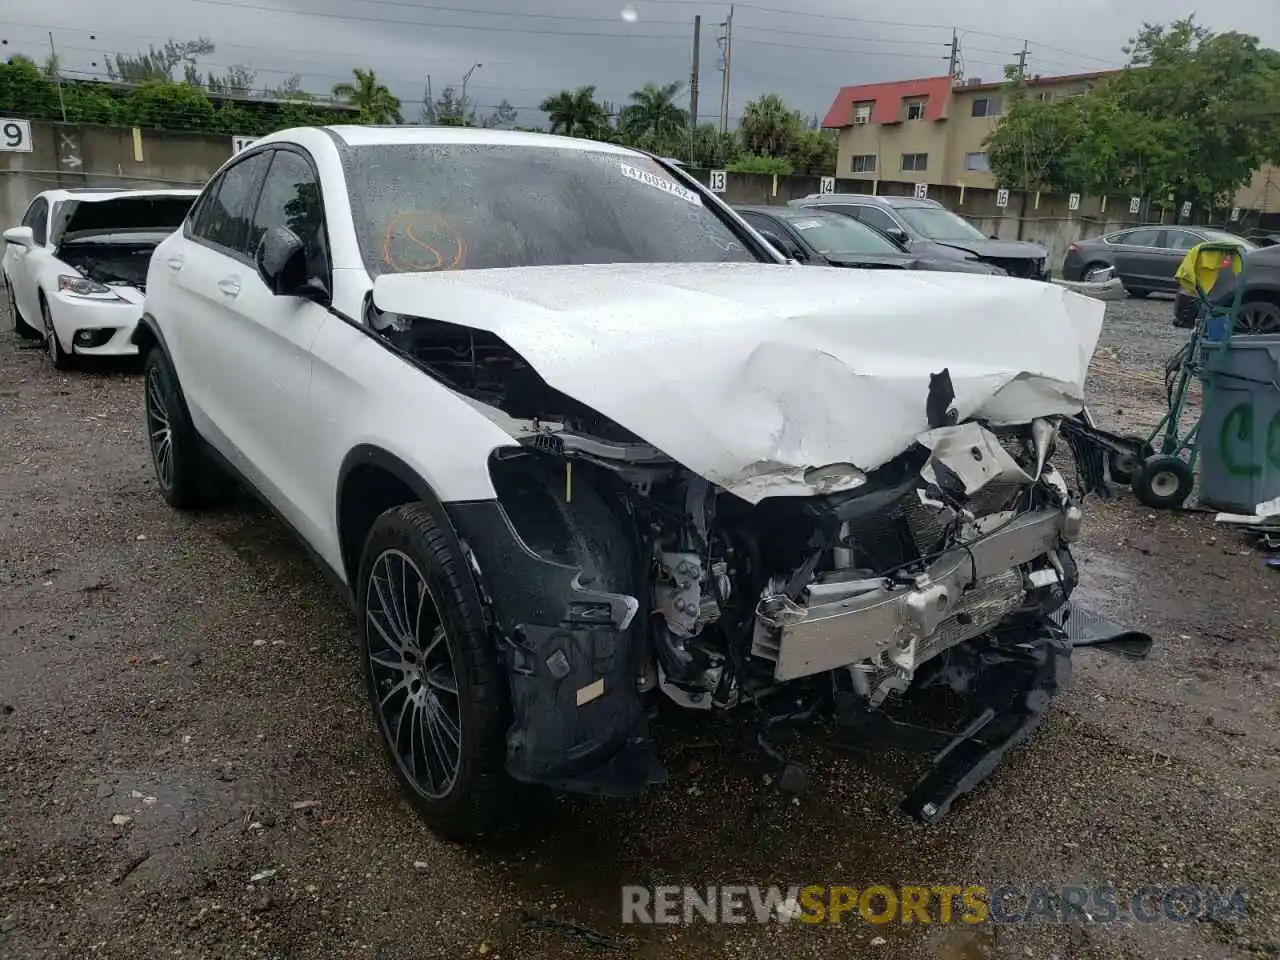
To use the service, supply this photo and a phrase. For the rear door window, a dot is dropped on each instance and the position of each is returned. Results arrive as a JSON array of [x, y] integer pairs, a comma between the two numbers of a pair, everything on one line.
[[1145, 237]]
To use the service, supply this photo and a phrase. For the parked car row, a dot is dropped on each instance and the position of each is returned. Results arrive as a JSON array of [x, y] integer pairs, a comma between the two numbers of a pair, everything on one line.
[[574, 439], [1146, 259], [75, 268]]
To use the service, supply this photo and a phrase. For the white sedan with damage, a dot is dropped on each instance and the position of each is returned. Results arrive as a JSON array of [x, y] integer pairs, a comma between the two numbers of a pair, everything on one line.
[[575, 442], [75, 268]]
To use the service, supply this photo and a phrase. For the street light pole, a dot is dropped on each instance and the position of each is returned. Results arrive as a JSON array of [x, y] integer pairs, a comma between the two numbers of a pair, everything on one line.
[[465, 77]]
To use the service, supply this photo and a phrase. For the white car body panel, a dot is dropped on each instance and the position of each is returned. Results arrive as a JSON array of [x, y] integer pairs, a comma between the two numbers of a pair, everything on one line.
[[31, 272], [733, 370], [750, 378]]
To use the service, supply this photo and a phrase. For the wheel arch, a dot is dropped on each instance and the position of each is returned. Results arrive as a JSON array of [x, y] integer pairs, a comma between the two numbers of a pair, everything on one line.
[[146, 334], [372, 480]]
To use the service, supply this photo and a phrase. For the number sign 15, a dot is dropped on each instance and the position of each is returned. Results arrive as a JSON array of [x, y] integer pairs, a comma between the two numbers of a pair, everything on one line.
[[15, 135]]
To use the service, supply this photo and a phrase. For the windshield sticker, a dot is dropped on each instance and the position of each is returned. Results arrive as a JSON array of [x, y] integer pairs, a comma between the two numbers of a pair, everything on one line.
[[661, 183], [806, 224]]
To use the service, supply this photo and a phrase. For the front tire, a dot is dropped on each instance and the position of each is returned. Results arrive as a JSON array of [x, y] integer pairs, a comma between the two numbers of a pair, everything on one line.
[[60, 358], [432, 675], [188, 479]]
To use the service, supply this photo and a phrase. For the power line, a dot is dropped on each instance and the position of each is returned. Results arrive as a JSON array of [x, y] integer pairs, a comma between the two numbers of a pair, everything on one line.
[[765, 8]]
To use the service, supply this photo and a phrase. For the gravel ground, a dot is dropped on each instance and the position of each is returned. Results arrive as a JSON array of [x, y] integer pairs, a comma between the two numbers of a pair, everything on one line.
[[180, 711]]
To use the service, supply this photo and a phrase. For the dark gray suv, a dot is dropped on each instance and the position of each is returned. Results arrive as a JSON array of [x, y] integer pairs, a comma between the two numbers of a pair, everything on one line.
[[926, 227]]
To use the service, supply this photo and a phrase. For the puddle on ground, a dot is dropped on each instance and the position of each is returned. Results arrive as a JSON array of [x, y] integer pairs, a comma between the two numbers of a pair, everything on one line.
[[1106, 583]]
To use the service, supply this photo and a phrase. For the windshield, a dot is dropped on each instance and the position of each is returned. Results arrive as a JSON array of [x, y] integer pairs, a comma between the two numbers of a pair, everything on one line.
[[428, 207], [1221, 236], [935, 223], [833, 235]]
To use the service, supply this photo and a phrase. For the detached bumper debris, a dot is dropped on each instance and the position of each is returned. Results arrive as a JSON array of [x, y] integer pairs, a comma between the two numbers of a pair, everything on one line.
[[1262, 526]]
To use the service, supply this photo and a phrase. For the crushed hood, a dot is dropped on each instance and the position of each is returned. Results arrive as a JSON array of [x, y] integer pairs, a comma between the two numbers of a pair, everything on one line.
[[999, 249], [751, 374]]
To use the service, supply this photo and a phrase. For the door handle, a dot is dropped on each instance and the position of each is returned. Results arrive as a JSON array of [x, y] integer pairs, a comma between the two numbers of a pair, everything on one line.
[[230, 286], [174, 263]]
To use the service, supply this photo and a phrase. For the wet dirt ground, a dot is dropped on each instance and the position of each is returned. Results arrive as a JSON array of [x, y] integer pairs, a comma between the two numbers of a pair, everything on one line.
[[181, 712]]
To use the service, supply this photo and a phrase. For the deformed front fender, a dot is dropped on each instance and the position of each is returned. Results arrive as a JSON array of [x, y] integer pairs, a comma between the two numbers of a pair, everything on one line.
[[564, 591]]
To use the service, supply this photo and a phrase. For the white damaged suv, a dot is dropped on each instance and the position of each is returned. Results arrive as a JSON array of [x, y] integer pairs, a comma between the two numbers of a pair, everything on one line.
[[575, 442]]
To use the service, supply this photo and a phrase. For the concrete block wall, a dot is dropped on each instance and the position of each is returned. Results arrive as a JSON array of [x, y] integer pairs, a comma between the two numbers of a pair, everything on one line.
[[74, 155]]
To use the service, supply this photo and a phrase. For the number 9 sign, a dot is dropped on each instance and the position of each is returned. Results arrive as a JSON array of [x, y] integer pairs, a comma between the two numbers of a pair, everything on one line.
[[15, 135]]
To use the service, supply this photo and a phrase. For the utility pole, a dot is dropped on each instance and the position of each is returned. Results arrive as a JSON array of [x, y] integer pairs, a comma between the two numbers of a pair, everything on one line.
[[726, 67], [429, 108], [1022, 62], [57, 75], [693, 86], [954, 59]]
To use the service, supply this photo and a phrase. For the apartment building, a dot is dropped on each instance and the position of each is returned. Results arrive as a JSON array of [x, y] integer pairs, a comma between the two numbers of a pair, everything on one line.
[[929, 130]]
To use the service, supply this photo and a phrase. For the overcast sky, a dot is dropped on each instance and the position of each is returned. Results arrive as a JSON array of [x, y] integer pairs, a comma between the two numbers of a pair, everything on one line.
[[803, 49]]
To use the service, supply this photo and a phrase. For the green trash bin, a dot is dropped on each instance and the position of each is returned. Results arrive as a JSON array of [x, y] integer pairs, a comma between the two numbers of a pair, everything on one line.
[[1240, 423]]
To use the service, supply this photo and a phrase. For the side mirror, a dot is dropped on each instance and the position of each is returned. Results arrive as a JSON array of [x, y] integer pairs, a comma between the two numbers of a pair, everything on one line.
[[20, 236], [281, 261], [897, 235], [784, 248]]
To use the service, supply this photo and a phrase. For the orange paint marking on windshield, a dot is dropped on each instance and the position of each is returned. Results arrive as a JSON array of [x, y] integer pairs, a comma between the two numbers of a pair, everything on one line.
[[406, 229]]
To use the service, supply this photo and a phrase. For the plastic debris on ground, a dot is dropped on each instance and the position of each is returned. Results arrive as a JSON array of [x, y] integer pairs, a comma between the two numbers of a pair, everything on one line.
[[1262, 526]]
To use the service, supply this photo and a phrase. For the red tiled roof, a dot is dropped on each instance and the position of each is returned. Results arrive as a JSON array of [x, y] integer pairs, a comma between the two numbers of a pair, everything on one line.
[[888, 99]]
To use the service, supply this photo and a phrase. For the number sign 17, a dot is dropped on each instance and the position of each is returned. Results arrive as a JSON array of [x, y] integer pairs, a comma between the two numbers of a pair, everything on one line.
[[15, 135]]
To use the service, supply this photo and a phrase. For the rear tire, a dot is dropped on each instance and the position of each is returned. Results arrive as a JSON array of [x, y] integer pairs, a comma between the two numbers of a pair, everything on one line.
[[20, 325], [1091, 268], [432, 675], [1258, 317], [187, 477]]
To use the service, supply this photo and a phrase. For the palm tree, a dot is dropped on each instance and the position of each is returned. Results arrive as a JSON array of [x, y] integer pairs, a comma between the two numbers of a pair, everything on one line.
[[375, 100], [575, 113], [769, 126], [653, 112]]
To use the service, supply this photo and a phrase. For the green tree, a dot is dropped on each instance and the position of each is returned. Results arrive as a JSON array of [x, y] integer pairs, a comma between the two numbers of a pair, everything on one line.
[[814, 153], [165, 105], [157, 63], [1192, 115], [654, 113], [449, 110], [89, 103], [762, 163], [575, 112], [26, 92], [1212, 85], [1028, 150], [238, 81], [503, 117], [769, 126], [374, 99]]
